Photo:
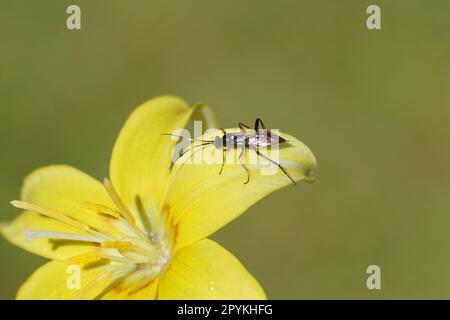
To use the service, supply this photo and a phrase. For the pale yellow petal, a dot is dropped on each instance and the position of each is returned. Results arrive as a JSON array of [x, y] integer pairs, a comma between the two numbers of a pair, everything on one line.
[[205, 270], [200, 201], [54, 281], [142, 155]]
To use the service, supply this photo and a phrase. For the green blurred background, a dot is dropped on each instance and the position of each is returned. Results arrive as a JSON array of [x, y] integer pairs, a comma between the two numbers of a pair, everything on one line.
[[374, 106]]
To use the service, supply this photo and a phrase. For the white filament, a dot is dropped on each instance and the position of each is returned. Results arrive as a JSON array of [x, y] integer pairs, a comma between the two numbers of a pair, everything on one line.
[[45, 234]]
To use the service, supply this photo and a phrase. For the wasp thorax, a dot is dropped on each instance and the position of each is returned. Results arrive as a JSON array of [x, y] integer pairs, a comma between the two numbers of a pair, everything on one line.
[[218, 142]]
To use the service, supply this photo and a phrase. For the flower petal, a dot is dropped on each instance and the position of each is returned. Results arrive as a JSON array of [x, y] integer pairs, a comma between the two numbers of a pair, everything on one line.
[[51, 249], [205, 270], [64, 189], [200, 201], [50, 282], [148, 292], [141, 156]]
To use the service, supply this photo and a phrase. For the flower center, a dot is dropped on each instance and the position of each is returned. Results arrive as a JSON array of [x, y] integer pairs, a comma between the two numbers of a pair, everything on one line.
[[138, 252]]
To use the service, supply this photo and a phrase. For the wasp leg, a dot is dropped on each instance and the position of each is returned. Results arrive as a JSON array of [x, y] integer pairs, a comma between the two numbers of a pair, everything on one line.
[[183, 152], [243, 127], [243, 165], [259, 122], [274, 162], [173, 161], [224, 159], [193, 151]]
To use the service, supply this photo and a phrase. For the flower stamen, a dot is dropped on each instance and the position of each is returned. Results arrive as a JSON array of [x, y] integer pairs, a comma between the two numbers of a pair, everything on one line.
[[32, 234], [96, 286], [50, 213], [84, 258], [124, 211], [115, 258], [100, 209], [118, 244]]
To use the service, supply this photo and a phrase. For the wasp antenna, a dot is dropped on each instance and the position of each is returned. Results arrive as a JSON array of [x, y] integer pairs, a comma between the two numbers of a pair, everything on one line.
[[171, 134], [176, 135], [188, 139]]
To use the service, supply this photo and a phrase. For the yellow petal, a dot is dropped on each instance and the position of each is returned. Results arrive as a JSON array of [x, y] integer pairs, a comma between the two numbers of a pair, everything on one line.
[[66, 190], [51, 249], [62, 189], [205, 270], [142, 156], [200, 201], [52, 281]]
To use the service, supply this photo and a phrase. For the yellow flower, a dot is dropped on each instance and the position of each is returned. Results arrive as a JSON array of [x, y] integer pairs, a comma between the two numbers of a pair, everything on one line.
[[144, 234]]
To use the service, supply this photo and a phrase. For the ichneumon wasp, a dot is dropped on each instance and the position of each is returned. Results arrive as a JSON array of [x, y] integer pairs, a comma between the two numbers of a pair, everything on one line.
[[245, 139]]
